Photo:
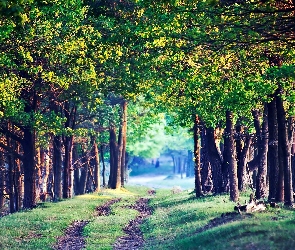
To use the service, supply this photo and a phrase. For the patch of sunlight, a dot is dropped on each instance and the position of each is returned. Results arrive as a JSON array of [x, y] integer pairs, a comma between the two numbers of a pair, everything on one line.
[[93, 197], [118, 191]]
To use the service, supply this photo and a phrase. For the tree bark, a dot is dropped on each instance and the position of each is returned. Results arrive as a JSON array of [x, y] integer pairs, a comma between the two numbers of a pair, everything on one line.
[[76, 169], [205, 164], [273, 154], [57, 167], [28, 145], [84, 174], [113, 159], [67, 171], [215, 161], [261, 188], [70, 114], [103, 166], [18, 181], [231, 156], [10, 186], [124, 171], [2, 179], [198, 185], [96, 172], [239, 150], [242, 171], [119, 160], [284, 152]]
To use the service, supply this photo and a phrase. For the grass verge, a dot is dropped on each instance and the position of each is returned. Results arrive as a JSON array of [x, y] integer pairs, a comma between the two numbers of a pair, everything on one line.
[[179, 221], [182, 222], [40, 227]]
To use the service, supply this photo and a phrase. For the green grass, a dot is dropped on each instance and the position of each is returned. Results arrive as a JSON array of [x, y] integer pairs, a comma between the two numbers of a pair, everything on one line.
[[178, 222], [38, 228], [177, 219]]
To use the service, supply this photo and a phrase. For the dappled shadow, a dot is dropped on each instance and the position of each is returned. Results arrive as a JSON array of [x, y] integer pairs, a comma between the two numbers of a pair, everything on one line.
[[224, 219]]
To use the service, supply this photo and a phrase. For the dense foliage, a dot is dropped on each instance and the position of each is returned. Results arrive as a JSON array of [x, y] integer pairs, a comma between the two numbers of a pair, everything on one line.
[[70, 71]]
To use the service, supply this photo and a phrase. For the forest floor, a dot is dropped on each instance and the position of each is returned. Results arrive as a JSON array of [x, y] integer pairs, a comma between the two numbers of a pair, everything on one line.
[[142, 218]]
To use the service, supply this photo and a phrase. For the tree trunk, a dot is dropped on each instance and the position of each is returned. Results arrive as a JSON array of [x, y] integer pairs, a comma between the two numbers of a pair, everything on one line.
[[205, 164], [215, 161], [67, 171], [38, 172], [103, 166], [2, 179], [57, 167], [10, 186], [174, 164], [124, 171], [45, 169], [261, 188], [243, 163], [198, 186], [96, 172], [239, 150], [18, 181], [113, 159], [28, 145], [225, 167], [284, 152], [231, 157], [76, 169], [119, 160], [273, 154], [84, 174], [70, 114]]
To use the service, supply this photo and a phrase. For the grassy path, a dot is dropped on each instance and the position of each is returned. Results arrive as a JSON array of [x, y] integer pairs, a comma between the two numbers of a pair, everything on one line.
[[178, 221], [133, 238]]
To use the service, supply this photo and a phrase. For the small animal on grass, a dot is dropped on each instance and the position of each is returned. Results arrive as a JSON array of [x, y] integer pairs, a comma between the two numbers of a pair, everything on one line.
[[176, 190], [151, 192]]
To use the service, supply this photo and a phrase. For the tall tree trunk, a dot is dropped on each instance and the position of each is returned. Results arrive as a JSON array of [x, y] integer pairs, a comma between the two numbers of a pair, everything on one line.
[[18, 181], [205, 164], [174, 164], [84, 174], [198, 185], [225, 167], [67, 171], [231, 157], [273, 155], [124, 171], [119, 160], [113, 159], [2, 179], [215, 161], [45, 166], [57, 167], [96, 172], [28, 145], [103, 166], [70, 114], [38, 172], [261, 188], [284, 151], [239, 150], [76, 169], [11, 167]]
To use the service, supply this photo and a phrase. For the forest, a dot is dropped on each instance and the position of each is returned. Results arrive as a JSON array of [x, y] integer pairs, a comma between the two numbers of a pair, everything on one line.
[[75, 73]]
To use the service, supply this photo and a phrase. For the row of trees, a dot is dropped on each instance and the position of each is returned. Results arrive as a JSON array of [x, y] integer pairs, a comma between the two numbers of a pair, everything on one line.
[[62, 103], [227, 67], [68, 70]]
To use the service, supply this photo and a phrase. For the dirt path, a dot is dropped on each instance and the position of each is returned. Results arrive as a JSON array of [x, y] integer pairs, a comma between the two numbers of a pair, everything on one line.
[[73, 238], [134, 237]]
